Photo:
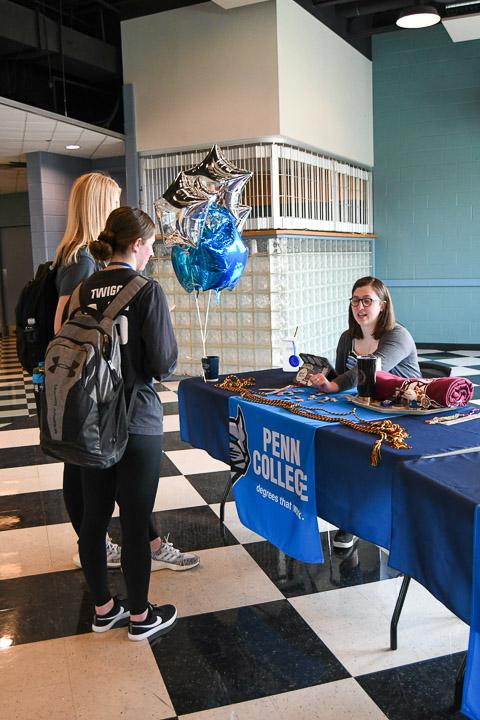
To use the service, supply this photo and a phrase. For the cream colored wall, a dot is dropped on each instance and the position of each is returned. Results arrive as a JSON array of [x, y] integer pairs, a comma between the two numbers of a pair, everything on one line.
[[203, 74], [325, 87]]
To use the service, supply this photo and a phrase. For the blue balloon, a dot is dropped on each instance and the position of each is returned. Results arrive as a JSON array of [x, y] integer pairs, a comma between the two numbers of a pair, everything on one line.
[[218, 260]]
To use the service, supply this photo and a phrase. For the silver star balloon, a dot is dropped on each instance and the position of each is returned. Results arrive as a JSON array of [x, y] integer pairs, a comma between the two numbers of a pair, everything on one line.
[[184, 206], [181, 212], [230, 195], [216, 166]]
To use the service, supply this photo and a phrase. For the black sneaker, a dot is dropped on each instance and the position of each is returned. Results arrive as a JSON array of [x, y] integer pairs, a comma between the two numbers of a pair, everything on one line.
[[115, 617], [344, 539], [160, 618]]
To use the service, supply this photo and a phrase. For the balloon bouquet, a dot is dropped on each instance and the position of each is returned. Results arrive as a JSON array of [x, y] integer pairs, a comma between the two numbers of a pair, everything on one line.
[[200, 218]]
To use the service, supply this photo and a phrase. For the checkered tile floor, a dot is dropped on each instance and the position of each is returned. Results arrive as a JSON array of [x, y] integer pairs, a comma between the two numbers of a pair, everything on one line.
[[260, 636]]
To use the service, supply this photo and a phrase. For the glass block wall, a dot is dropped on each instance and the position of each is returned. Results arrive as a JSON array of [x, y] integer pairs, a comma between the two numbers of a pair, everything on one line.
[[311, 284], [290, 280]]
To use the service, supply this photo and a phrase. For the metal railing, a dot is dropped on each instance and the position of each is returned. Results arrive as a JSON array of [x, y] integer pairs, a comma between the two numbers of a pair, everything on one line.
[[291, 188]]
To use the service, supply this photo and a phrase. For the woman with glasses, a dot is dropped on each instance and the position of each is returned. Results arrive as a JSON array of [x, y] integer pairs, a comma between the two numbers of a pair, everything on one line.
[[372, 330]]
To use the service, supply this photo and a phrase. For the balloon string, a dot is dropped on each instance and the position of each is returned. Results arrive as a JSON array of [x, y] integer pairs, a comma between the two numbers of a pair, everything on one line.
[[206, 316], [202, 334], [203, 327]]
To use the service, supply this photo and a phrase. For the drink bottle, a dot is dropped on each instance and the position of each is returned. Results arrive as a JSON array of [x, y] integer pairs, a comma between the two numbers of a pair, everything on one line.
[[38, 380]]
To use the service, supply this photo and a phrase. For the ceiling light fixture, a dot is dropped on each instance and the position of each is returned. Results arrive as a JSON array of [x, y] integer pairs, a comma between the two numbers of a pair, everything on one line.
[[72, 147], [419, 16]]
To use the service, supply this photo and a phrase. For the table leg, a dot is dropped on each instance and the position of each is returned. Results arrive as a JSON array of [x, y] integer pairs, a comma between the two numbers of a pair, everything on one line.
[[228, 487], [457, 698], [396, 613]]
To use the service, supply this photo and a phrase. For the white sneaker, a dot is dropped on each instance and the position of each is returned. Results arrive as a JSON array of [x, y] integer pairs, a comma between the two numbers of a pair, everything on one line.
[[168, 557], [344, 540], [114, 555]]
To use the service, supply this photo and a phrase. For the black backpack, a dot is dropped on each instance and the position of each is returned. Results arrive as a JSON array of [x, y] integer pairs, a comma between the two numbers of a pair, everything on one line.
[[84, 420], [35, 315]]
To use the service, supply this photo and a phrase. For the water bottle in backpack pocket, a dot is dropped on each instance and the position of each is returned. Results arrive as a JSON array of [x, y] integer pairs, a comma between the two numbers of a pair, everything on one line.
[[38, 379], [84, 420]]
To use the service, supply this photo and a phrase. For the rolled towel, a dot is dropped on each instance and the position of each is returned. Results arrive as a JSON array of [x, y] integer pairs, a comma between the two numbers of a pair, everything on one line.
[[427, 393]]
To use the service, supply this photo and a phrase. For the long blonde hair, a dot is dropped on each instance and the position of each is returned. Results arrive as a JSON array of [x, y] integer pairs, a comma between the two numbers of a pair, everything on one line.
[[92, 198]]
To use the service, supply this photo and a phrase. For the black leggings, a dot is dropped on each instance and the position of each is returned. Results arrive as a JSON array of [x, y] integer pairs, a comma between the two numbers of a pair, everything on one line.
[[73, 499], [133, 482]]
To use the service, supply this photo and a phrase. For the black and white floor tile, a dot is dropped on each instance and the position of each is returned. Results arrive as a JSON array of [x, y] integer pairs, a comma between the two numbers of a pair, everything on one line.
[[260, 636], [463, 363]]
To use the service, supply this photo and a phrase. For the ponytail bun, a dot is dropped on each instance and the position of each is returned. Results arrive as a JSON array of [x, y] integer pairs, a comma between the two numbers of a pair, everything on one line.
[[102, 249], [107, 236], [123, 227]]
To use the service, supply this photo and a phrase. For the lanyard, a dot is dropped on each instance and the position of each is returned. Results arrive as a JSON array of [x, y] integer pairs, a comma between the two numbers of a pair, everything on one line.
[[123, 264]]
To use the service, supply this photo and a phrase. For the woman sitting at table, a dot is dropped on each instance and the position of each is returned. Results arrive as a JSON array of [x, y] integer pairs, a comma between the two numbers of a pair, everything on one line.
[[372, 330]]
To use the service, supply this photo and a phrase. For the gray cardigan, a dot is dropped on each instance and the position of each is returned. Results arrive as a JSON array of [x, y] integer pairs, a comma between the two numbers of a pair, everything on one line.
[[396, 349]]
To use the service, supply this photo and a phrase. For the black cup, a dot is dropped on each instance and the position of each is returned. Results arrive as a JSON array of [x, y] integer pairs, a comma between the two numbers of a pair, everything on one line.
[[210, 365], [366, 367]]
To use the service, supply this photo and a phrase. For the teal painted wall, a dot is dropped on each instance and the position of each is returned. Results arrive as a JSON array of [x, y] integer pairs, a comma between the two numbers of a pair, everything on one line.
[[427, 181]]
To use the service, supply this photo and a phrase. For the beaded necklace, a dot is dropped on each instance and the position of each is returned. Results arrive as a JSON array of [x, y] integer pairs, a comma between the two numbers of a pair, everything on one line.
[[388, 431]]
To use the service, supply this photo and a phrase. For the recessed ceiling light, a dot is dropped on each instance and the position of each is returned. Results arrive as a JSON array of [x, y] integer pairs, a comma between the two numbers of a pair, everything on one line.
[[419, 16], [72, 147]]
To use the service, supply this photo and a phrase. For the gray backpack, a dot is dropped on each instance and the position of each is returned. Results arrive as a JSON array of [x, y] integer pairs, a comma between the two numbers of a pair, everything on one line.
[[83, 419]]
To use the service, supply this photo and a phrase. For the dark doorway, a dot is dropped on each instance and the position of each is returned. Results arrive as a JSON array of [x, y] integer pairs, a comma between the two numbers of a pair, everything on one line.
[[16, 269]]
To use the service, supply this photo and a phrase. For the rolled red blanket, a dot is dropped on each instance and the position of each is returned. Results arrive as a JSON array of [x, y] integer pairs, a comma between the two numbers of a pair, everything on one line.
[[435, 392]]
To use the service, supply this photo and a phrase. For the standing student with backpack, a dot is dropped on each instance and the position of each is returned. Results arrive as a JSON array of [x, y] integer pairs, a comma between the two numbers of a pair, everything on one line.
[[92, 198], [149, 351]]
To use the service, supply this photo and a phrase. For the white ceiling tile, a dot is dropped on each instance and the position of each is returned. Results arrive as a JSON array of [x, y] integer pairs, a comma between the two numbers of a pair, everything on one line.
[[39, 145], [33, 119], [12, 130], [110, 149], [24, 132]]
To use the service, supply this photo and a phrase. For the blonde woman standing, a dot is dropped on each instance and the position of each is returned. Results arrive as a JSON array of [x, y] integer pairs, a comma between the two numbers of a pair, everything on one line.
[[92, 198]]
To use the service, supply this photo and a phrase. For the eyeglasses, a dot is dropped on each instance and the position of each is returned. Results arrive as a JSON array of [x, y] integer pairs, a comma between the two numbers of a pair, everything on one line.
[[366, 301]]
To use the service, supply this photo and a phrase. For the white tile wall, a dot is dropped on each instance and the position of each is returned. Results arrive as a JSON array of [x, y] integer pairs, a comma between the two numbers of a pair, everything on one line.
[[311, 280]]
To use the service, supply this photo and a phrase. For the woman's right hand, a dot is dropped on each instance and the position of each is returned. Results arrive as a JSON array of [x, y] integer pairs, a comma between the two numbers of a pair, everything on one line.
[[320, 382]]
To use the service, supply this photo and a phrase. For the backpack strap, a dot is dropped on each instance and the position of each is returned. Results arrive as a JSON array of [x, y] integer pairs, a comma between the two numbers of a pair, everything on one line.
[[74, 302], [131, 403], [124, 297]]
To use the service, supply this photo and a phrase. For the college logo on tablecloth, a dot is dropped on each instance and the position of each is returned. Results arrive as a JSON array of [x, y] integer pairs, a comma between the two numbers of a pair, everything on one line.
[[272, 459], [239, 455]]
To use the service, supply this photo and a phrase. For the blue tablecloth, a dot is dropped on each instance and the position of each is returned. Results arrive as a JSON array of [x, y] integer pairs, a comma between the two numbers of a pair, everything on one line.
[[203, 410], [357, 497], [273, 470], [205, 424], [362, 499], [204, 418], [433, 509], [471, 690], [436, 540], [350, 493]]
